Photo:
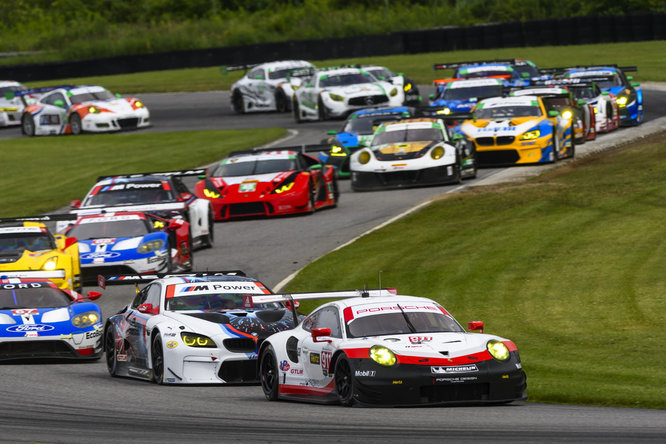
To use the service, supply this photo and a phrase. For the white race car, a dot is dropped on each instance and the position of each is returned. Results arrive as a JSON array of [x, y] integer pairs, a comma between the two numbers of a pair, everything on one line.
[[161, 193], [79, 109], [327, 93], [265, 86], [191, 329], [410, 89], [11, 106], [379, 348], [412, 152]]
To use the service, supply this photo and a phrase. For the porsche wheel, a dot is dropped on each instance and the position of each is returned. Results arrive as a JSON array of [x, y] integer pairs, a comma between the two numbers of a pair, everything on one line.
[[556, 149], [312, 203], [157, 357], [344, 381], [28, 125], [269, 374], [75, 124], [321, 110], [281, 102], [297, 111], [110, 351], [238, 102], [209, 239]]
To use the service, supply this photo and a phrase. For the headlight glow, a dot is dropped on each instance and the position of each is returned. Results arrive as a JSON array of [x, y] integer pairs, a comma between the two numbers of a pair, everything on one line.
[[393, 92], [498, 350], [437, 152], [195, 340], [51, 263], [407, 87], [93, 110], [364, 157], [150, 246], [211, 194], [383, 356], [567, 114], [336, 97], [445, 111], [138, 104], [622, 101], [85, 319], [284, 188], [531, 135]]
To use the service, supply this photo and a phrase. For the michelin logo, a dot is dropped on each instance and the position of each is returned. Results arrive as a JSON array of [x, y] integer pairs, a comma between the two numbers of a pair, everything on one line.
[[437, 370]]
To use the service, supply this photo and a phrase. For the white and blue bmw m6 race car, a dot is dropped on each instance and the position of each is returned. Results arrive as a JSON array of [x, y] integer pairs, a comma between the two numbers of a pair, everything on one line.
[[192, 328]]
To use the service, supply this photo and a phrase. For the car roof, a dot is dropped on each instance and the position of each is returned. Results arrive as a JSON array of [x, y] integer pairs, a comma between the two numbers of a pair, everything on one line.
[[540, 91], [351, 302], [260, 155], [139, 179], [193, 279], [401, 125], [466, 83], [111, 217], [509, 101], [282, 64]]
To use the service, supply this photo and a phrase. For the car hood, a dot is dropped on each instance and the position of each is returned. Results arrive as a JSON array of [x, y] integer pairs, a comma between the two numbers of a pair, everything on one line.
[[362, 89], [255, 323], [258, 178], [113, 106], [506, 127]]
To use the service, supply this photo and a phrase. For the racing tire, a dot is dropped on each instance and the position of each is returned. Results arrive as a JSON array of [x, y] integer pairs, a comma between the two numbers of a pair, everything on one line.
[[281, 102], [312, 202], [110, 351], [157, 359], [344, 382], [75, 124], [237, 102], [556, 149], [572, 150], [28, 125], [297, 111], [209, 239], [269, 374], [322, 112], [336, 191]]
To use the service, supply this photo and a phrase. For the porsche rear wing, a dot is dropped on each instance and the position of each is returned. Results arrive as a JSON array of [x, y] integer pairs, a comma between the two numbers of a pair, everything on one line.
[[567, 68], [299, 148], [250, 300], [192, 172], [40, 218], [104, 281], [224, 70], [455, 65]]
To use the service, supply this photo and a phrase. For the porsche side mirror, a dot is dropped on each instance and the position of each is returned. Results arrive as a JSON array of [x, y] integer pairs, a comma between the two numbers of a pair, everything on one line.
[[75, 204], [93, 295], [319, 333], [316, 167], [553, 113], [148, 309], [457, 137], [69, 242], [475, 325], [59, 103], [331, 132]]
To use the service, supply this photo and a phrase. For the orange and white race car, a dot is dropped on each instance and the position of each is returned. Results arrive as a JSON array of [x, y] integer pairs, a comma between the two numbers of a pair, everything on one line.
[[80, 109]]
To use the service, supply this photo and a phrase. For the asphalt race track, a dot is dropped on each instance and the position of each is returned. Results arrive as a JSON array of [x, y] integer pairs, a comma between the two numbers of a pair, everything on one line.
[[81, 403]]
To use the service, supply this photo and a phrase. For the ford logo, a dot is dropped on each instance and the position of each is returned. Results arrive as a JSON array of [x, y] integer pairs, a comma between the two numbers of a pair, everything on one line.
[[29, 327], [104, 254]]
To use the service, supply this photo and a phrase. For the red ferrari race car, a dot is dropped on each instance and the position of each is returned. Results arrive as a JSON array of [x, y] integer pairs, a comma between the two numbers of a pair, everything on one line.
[[269, 182]]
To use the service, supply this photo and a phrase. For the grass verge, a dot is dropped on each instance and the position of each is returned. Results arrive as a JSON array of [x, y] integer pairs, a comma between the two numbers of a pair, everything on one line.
[[45, 173], [648, 56], [570, 265]]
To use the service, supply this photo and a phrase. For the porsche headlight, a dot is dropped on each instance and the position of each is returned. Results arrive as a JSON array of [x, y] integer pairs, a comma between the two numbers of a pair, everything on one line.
[[51, 263], [531, 135], [364, 157], [498, 350], [567, 114], [93, 110], [138, 104], [195, 340], [383, 356], [622, 101], [394, 92], [336, 97], [150, 246], [86, 319], [437, 152]]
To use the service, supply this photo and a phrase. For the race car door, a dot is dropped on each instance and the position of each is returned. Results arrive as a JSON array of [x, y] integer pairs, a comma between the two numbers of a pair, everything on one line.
[[316, 356], [137, 317], [258, 88]]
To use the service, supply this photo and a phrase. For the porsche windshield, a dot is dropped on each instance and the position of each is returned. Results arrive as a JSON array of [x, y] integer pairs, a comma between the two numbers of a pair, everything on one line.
[[473, 92], [130, 193], [408, 135], [31, 295], [92, 96], [252, 167], [213, 302], [35, 241], [507, 112], [326, 81], [105, 229], [402, 322]]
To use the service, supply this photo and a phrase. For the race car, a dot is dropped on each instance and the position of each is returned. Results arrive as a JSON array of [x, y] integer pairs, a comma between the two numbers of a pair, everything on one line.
[[131, 242], [518, 131], [563, 101], [460, 96], [11, 106], [373, 347], [327, 93], [269, 182], [357, 132], [412, 152], [410, 89], [160, 193], [38, 320], [480, 69], [77, 109], [629, 95], [29, 250], [192, 328], [265, 86]]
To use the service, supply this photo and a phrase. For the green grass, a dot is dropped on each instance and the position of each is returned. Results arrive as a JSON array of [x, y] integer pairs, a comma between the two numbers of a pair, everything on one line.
[[648, 56], [569, 265], [43, 174]]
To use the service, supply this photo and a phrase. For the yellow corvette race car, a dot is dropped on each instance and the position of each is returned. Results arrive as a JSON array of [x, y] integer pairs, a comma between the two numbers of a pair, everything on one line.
[[519, 131], [29, 250]]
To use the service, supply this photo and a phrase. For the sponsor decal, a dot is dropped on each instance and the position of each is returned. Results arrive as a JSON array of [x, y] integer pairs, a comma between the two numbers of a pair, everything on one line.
[[169, 335], [457, 380], [296, 371], [419, 339], [139, 372], [121, 357], [172, 344], [247, 187], [326, 361], [314, 358], [284, 366], [519, 365], [397, 382], [69, 336], [373, 309], [170, 379], [366, 373], [25, 311], [93, 334], [103, 241], [100, 255], [30, 327], [16, 286], [439, 370], [31, 334]]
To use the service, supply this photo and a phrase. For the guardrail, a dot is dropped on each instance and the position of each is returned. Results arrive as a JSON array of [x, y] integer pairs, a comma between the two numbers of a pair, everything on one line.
[[563, 31]]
